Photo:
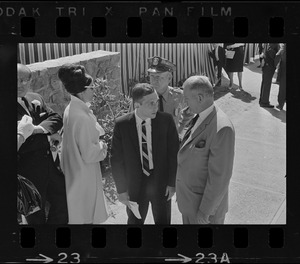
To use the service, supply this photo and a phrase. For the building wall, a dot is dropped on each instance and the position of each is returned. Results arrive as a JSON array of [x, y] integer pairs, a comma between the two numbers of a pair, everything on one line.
[[188, 57], [98, 64]]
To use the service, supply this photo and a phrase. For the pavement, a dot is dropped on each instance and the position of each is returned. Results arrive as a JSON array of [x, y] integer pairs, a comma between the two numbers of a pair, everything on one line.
[[257, 191]]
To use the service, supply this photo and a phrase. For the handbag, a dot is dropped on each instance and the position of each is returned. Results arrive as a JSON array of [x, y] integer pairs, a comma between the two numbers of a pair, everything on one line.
[[229, 54], [29, 199]]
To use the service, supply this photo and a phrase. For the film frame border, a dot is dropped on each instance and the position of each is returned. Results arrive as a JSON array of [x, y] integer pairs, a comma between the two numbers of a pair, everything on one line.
[[118, 234]]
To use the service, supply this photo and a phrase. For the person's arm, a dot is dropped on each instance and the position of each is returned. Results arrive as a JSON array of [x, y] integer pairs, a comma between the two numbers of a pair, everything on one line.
[[91, 149], [117, 160], [47, 120], [24, 130], [220, 164], [173, 147]]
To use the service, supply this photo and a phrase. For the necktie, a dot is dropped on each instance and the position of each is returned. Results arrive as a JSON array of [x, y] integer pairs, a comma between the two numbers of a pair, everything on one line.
[[145, 155], [188, 132], [161, 104]]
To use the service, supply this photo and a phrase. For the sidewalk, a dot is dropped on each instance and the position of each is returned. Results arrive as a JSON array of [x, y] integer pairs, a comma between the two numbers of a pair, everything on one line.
[[257, 190]]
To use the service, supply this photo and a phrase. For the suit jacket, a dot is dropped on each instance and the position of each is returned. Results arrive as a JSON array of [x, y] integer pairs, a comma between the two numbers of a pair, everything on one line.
[[271, 57], [35, 151], [126, 160], [221, 55], [205, 165]]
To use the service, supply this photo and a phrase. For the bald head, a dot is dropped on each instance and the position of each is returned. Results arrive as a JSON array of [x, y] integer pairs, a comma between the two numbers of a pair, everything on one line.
[[198, 93], [24, 76], [199, 83], [24, 73]]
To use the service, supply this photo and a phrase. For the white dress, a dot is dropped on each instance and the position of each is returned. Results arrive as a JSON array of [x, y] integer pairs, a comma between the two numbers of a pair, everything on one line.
[[80, 157]]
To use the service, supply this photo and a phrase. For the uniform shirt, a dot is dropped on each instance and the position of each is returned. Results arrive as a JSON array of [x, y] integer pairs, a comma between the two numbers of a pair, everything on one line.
[[173, 103], [200, 119], [149, 140]]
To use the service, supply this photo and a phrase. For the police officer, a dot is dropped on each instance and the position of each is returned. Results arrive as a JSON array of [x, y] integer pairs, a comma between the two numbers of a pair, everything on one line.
[[170, 99], [270, 61]]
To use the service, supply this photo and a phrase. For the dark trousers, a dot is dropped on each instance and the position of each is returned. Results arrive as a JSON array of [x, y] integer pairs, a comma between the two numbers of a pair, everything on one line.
[[52, 189], [282, 90], [161, 208], [267, 75]]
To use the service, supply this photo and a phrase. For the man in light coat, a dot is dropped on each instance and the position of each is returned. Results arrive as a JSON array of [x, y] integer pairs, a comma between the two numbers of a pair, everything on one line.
[[205, 158]]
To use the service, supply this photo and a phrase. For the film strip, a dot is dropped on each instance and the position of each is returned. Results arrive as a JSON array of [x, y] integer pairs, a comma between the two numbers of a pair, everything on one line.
[[149, 22]]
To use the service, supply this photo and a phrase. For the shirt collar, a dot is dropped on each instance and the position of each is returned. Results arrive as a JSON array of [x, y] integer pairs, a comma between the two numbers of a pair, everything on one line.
[[139, 120], [206, 112], [166, 94]]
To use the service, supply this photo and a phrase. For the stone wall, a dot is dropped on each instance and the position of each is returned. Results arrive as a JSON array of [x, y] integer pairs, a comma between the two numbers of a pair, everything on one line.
[[99, 64]]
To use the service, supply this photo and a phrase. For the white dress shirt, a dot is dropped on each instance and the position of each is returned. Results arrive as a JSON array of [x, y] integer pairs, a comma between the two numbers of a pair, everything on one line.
[[149, 139]]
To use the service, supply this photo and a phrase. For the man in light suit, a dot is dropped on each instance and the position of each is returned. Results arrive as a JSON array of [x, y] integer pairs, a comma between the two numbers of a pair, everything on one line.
[[144, 157], [205, 158]]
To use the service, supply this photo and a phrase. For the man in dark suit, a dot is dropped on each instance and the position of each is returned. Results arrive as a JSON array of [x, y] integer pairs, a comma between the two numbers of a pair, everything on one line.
[[35, 159], [268, 69], [218, 56], [144, 157]]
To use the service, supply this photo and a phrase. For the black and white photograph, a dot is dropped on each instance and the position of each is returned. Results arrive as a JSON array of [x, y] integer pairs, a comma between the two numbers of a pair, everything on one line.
[[151, 133]]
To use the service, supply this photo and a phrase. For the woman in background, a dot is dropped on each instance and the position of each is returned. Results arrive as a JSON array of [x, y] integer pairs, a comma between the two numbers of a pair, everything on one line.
[[81, 150], [236, 63]]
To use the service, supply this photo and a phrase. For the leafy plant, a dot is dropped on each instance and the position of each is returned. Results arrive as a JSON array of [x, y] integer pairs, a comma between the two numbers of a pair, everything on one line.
[[144, 78], [107, 105]]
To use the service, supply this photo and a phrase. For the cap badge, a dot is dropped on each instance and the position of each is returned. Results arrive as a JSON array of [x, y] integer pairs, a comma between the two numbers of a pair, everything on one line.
[[155, 61]]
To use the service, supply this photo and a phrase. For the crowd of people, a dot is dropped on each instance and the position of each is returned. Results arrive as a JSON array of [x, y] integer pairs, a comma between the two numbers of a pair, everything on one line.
[[171, 141], [230, 57]]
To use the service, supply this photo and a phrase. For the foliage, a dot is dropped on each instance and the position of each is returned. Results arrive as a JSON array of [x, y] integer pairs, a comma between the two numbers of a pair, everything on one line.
[[144, 78], [107, 105]]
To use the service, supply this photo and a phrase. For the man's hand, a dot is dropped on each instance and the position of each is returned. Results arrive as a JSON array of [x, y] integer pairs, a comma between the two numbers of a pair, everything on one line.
[[202, 218], [124, 198], [170, 191], [25, 127]]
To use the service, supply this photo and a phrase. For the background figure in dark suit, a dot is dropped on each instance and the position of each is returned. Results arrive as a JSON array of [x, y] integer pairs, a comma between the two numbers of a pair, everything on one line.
[[282, 77], [218, 56], [269, 66], [144, 157], [35, 160], [260, 51]]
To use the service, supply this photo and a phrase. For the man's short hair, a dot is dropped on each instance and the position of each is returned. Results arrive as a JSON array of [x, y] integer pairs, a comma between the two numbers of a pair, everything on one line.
[[200, 83], [140, 90], [24, 72]]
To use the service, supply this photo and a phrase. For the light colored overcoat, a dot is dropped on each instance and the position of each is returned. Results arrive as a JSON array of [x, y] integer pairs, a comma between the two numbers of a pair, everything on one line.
[[81, 153], [204, 170]]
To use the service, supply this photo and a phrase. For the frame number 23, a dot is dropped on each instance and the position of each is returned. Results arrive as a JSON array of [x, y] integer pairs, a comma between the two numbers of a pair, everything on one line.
[[73, 258]]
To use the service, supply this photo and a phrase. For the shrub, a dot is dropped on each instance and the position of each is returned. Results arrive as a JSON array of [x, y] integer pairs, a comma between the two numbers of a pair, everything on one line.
[[144, 78], [107, 105]]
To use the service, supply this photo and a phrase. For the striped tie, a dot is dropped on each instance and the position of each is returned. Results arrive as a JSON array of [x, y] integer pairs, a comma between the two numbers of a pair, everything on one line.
[[188, 132], [146, 169]]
